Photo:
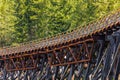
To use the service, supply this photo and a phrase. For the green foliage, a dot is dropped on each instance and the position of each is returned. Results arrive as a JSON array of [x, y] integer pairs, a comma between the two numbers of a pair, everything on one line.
[[25, 20], [6, 22]]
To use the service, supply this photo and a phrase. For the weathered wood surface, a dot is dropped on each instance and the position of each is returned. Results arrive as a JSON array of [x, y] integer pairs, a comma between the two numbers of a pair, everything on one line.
[[90, 29]]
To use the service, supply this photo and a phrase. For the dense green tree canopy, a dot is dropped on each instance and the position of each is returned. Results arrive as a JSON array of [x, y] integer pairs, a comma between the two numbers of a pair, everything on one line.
[[26, 20]]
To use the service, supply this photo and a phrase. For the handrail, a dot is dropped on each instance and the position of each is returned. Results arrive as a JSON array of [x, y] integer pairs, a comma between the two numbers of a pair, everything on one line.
[[65, 36]]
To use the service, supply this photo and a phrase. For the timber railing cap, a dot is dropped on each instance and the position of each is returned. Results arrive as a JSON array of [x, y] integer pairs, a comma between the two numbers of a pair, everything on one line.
[[64, 36]]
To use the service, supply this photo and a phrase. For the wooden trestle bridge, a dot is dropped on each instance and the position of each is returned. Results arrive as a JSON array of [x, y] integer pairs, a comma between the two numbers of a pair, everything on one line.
[[91, 52]]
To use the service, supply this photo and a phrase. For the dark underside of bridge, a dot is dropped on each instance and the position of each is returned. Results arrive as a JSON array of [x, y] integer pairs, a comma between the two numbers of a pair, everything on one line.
[[92, 57]]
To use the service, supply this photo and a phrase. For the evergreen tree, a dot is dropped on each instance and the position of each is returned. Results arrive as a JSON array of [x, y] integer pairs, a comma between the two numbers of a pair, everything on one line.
[[25, 20], [6, 22]]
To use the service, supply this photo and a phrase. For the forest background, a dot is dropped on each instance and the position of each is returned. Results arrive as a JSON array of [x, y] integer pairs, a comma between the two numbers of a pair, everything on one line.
[[27, 20]]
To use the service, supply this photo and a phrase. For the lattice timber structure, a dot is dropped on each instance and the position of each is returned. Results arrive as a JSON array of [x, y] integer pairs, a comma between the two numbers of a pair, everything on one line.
[[91, 52]]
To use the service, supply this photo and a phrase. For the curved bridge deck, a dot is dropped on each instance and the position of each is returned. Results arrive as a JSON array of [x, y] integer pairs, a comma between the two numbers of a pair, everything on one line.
[[80, 33], [91, 52]]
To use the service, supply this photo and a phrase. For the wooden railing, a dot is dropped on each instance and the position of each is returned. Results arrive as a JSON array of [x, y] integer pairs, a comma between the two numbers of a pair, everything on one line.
[[64, 37]]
